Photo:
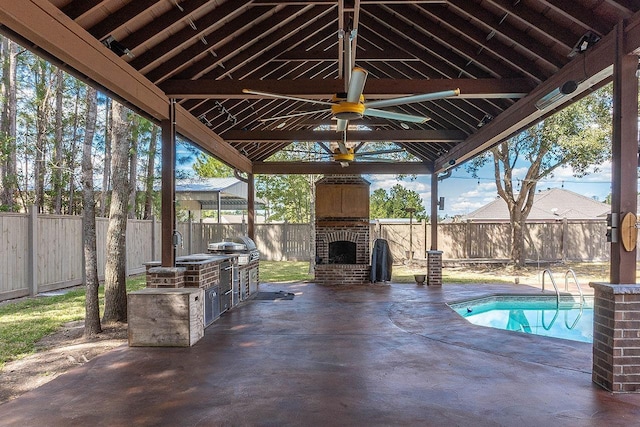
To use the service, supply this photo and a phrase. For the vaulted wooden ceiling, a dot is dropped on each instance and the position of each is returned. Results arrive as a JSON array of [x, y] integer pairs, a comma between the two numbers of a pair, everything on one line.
[[504, 55]]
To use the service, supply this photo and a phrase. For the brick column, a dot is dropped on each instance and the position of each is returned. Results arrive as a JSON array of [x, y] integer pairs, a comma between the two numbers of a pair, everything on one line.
[[434, 268], [165, 277], [616, 337]]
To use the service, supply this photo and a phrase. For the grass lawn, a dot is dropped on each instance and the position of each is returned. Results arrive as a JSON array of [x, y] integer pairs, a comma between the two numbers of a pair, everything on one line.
[[23, 323], [284, 271]]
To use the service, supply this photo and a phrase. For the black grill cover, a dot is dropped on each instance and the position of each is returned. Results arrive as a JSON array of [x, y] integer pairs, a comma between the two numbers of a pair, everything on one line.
[[381, 261]]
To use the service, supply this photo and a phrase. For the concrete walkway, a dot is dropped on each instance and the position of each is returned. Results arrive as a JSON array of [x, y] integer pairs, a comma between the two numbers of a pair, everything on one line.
[[353, 356]]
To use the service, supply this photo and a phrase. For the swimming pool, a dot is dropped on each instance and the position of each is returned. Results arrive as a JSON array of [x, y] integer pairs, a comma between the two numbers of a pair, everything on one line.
[[539, 315]]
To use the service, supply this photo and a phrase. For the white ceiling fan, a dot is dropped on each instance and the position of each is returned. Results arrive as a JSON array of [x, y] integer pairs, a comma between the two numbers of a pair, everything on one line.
[[351, 105]]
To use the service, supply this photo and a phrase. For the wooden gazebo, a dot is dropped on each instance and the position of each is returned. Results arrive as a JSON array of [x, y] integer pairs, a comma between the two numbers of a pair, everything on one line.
[[185, 63]]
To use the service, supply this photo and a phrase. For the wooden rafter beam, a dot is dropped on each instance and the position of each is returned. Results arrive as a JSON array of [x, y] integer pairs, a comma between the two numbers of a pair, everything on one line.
[[332, 54], [417, 136], [590, 68], [48, 30], [334, 168], [324, 88]]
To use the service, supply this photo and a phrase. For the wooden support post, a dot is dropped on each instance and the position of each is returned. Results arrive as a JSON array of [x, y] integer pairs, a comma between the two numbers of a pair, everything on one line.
[[251, 207], [32, 257], [434, 212], [168, 187], [624, 181]]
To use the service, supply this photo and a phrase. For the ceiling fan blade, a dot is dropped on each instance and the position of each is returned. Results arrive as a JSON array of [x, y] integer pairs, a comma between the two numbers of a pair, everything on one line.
[[288, 116], [291, 98], [342, 144], [377, 152], [376, 159], [413, 98], [356, 84], [372, 112]]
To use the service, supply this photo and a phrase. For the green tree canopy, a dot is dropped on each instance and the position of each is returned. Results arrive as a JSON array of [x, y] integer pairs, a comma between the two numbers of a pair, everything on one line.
[[289, 197], [209, 167], [578, 136], [394, 203]]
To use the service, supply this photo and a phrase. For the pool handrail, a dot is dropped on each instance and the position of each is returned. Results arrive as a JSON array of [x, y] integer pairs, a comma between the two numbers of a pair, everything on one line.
[[575, 279], [553, 282], [555, 316], [575, 322]]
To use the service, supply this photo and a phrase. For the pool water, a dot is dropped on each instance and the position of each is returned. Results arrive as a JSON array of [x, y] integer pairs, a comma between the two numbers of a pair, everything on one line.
[[532, 315]]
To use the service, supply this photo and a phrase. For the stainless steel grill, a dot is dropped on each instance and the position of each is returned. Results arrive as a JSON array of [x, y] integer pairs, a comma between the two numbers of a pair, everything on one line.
[[242, 246]]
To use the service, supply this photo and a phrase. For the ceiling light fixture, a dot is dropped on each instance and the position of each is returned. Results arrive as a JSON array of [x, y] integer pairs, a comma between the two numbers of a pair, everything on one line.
[[486, 119], [116, 47], [405, 126], [586, 41], [556, 95]]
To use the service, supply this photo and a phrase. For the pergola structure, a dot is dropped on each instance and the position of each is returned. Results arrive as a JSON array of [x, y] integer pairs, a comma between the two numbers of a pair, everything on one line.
[[185, 63]]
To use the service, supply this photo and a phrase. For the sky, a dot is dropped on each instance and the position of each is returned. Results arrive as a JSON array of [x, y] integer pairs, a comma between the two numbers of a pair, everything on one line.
[[464, 194]]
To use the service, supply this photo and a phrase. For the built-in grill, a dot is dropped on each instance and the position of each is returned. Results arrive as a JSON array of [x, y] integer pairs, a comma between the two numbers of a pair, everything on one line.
[[246, 277], [242, 246]]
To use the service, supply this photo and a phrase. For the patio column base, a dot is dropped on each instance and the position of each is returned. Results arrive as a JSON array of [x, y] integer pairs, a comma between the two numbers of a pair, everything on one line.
[[165, 277], [434, 268], [616, 337]]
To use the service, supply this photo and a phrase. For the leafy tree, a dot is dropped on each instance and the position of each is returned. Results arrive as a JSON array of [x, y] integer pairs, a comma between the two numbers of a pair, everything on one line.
[[394, 203], [578, 136], [290, 197], [210, 167], [8, 160]]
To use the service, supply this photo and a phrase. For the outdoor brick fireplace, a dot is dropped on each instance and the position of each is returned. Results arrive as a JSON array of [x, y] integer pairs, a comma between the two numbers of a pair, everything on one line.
[[342, 230]]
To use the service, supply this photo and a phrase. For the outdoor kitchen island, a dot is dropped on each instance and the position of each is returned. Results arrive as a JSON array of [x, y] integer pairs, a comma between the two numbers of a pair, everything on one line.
[[180, 302]]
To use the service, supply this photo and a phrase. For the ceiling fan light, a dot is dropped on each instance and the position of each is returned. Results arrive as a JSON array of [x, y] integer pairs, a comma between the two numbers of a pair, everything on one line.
[[348, 110], [347, 157]]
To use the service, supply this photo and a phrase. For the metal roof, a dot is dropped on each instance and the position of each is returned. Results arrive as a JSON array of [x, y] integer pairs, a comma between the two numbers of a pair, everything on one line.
[[231, 192]]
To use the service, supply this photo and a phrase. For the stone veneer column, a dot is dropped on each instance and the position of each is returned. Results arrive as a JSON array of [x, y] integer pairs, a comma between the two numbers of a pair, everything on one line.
[[165, 277], [434, 268], [616, 337]]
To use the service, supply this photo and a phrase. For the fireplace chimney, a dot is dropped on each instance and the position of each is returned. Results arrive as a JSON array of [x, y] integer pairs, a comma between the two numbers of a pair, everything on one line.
[[342, 230]]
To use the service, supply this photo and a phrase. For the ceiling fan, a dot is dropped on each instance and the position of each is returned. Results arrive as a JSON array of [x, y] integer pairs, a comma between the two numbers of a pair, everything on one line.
[[351, 104], [353, 153]]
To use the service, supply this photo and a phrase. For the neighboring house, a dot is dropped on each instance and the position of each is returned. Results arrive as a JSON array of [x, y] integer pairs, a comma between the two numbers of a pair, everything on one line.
[[549, 205], [216, 194]]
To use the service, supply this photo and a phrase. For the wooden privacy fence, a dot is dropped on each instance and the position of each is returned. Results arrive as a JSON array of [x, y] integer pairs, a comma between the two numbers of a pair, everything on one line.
[[40, 253]]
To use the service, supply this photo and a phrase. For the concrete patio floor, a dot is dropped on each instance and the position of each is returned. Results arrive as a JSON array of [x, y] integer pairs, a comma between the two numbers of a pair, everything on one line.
[[340, 356]]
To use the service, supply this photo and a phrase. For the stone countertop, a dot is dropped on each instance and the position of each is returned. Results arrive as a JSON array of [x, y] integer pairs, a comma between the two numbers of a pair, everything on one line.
[[195, 259]]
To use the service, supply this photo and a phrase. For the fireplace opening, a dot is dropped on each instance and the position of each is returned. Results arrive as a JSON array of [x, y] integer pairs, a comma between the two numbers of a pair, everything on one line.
[[342, 252]]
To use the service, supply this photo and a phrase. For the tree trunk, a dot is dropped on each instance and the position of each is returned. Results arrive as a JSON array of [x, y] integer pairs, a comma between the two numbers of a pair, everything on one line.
[[92, 308], [115, 292], [57, 145], [9, 176], [148, 198], [106, 173], [517, 239], [71, 164], [133, 173], [42, 111]]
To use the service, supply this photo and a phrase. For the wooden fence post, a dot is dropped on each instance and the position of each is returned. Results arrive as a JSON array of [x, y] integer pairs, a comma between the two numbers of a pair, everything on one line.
[[32, 250], [285, 238], [153, 237], [190, 235]]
